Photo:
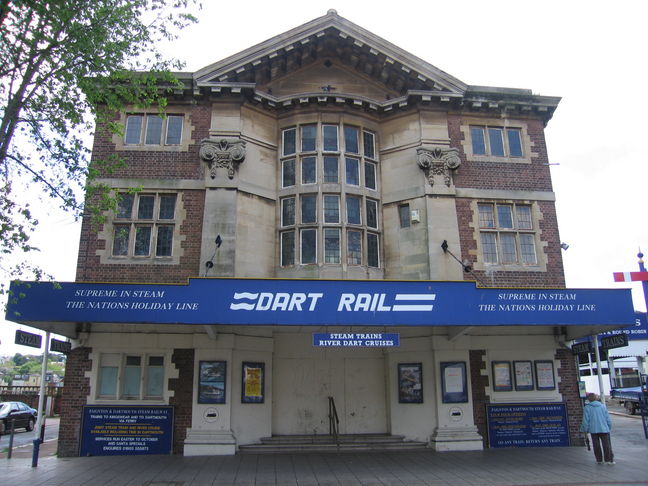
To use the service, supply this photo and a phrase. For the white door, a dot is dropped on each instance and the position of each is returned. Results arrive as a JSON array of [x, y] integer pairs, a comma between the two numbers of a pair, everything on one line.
[[364, 400], [300, 396], [301, 387]]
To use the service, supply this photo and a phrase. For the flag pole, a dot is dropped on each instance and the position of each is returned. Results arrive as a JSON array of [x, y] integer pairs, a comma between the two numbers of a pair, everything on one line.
[[642, 268]]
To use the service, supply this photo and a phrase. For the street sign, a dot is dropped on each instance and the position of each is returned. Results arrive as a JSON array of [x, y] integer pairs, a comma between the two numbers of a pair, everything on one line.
[[28, 339], [614, 341], [582, 348], [630, 276], [60, 346]]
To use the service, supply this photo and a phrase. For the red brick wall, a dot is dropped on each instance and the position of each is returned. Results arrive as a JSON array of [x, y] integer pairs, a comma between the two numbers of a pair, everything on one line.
[[89, 268], [75, 396], [157, 164], [77, 389], [503, 175], [182, 399], [479, 383], [509, 176], [568, 388], [142, 165]]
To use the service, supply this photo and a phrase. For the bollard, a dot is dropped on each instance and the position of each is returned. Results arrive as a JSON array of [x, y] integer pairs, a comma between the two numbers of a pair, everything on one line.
[[37, 443], [11, 437]]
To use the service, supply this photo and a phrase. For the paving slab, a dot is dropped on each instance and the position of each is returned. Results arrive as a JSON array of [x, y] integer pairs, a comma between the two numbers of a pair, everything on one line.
[[563, 466]]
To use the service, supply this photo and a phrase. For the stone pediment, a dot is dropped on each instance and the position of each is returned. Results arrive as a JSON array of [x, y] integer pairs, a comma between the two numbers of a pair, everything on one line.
[[331, 77], [330, 60], [330, 39]]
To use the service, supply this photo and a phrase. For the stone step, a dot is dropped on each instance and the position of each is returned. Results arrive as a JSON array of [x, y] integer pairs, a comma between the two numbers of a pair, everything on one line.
[[326, 443], [323, 439]]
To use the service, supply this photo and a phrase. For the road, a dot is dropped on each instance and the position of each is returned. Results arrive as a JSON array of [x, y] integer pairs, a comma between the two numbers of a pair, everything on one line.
[[23, 438], [627, 430]]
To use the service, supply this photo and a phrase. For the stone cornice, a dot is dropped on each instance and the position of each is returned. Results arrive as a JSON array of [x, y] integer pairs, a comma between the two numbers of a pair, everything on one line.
[[506, 104]]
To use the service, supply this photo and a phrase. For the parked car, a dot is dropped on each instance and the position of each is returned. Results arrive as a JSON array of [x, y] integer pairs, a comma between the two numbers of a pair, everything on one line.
[[24, 416]]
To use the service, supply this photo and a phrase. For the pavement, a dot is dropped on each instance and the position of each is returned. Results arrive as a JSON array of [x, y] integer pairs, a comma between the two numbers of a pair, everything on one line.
[[492, 467]]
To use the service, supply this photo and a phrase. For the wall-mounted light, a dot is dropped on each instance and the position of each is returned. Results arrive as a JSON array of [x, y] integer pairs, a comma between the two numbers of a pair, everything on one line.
[[466, 265], [209, 264], [564, 246]]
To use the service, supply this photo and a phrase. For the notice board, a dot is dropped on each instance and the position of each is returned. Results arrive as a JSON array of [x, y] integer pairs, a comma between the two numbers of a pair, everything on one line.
[[111, 431], [527, 425]]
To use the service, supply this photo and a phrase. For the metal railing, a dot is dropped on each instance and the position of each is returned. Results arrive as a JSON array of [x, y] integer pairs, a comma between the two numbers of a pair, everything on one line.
[[50, 391], [334, 421]]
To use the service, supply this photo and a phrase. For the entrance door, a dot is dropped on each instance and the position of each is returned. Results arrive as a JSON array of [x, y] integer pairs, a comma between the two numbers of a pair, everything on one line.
[[364, 398], [301, 387]]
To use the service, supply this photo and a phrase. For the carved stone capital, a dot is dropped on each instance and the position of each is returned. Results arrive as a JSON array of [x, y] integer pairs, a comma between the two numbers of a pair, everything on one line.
[[224, 152], [438, 161]]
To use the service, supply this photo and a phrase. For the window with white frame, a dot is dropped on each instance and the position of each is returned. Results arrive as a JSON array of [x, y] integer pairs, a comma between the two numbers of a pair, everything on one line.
[[287, 248], [330, 183], [130, 376], [308, 170], [507, 234], [288, 211], [153, 129], [308, 245], [496, 141], [288, 173], [144, 225], [331, 169]]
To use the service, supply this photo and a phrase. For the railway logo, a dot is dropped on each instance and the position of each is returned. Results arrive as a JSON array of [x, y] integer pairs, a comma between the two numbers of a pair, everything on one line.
[[346, 302]]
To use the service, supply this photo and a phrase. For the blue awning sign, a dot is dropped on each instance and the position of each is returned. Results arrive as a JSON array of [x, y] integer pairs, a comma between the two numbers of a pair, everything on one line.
[[637, 331], [317, 303]]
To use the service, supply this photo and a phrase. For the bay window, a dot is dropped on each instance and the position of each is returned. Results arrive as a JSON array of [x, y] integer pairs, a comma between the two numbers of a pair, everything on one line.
[[329, 183]]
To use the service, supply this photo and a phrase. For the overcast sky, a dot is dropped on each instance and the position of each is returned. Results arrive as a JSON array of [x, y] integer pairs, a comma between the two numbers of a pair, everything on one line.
[[590, 53]]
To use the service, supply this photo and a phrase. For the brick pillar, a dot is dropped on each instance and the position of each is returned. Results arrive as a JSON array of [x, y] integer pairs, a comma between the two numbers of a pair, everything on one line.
[[182, 398], [479, 398], [568, 388], [75, 396]]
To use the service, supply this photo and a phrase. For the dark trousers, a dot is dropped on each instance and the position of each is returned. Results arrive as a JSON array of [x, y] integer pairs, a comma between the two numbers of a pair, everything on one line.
[[602, 441]]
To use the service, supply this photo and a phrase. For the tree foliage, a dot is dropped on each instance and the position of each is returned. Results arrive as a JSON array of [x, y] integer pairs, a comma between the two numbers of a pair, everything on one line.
[[63, 65], [30, 365]]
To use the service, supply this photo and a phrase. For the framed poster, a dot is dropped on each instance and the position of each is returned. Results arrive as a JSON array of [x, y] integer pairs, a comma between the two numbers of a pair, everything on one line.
[[502, 376], [454, 387], [253, 386], [545, 375], [523, 375], [410, 383], [211, 381]]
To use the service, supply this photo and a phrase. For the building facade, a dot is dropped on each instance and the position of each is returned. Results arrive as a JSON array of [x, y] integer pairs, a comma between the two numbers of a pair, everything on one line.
[[327, 154]]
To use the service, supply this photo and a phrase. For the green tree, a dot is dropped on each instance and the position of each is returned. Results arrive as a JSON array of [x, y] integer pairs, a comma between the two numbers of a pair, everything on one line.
[[19, 359], [63, 65]]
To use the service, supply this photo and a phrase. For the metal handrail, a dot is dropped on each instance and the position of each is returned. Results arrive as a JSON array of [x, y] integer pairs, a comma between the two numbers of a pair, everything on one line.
[[334, 421]]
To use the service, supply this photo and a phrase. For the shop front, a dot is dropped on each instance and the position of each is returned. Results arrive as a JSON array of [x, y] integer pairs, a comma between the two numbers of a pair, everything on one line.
[[234, 361]]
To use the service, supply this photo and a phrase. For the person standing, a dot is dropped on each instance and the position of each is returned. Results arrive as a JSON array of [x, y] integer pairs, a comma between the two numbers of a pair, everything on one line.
[[596, 422]]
